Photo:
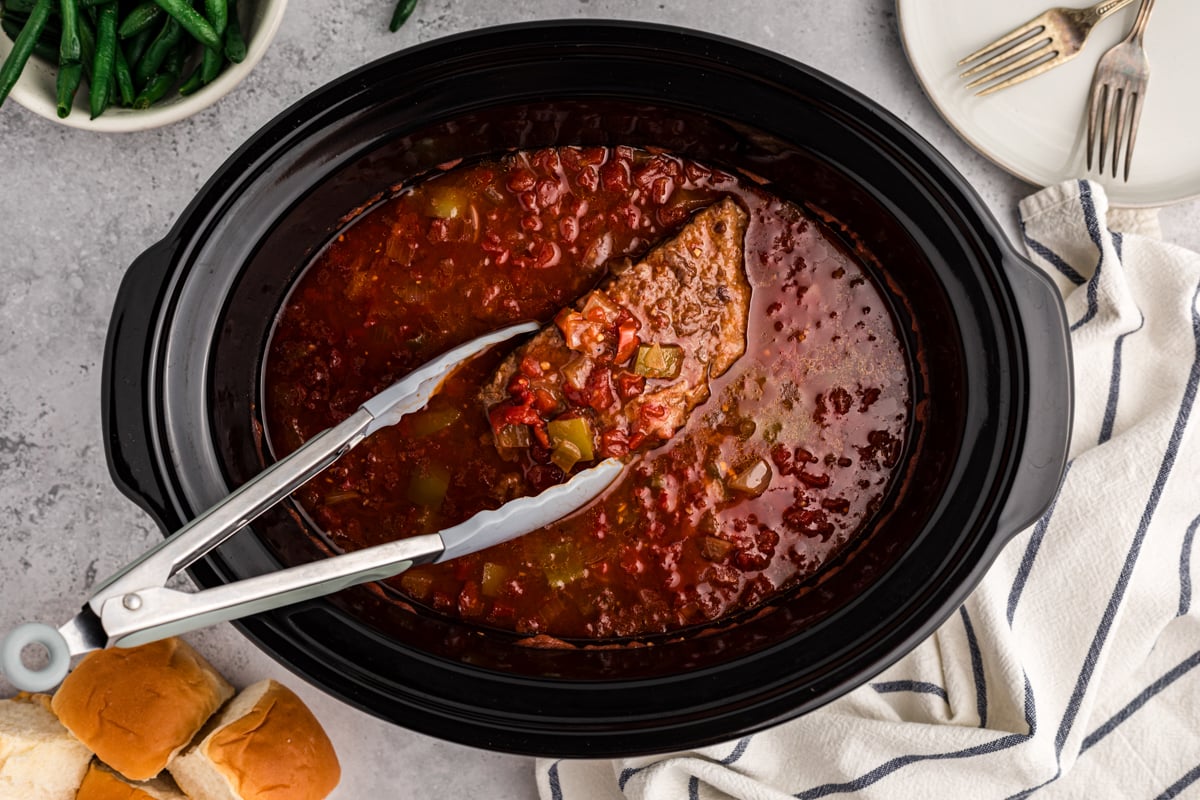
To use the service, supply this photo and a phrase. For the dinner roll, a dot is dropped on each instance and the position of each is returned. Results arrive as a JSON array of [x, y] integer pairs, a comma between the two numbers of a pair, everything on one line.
[[39, 758], [137, 707], [101, 784], [265, 745]]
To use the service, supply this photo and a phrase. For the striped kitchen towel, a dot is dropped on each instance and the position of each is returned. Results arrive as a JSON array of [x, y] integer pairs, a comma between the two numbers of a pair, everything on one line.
[[1074, 669]]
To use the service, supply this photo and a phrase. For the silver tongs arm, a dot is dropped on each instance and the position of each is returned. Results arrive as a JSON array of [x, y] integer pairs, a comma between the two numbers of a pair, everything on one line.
[[155, 613], [214, 526]]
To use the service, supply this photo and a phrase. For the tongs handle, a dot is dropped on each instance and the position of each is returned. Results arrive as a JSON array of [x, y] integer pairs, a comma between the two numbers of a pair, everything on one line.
[[156, 612], [214, 526], [196, 539]]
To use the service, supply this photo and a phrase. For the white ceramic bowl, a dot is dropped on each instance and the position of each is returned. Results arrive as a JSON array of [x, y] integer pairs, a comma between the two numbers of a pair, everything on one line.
[[35, 88]]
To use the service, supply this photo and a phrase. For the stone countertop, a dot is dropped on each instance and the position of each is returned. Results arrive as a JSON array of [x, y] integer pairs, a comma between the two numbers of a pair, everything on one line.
[[76, 208]]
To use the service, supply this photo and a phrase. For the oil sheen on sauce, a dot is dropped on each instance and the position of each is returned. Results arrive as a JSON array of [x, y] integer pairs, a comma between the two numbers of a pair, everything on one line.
[[789, 459]]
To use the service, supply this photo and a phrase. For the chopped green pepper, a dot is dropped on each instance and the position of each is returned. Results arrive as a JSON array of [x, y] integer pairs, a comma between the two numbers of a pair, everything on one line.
[[659, 360], [447, 202], [494, 576], [514, 436], [565, 455], [428, 487], [564, 565], [430, 421], [416, 584], [577, 431]]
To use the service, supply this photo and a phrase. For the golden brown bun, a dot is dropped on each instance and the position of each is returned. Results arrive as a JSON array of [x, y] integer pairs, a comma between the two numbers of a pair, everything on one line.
[[100, 784], [137, 707], [39, 758], [265, 745]]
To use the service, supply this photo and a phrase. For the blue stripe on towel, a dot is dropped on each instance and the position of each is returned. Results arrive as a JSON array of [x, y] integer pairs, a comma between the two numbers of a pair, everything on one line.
[[1178, 786], [1184, 667], [1031, 550], [1093, 226], [920, 687], [1185, 568], [1055, 260], [555, 785], [693, 788], [738, 751], [976, 667], [888, 767], [1114, 385]]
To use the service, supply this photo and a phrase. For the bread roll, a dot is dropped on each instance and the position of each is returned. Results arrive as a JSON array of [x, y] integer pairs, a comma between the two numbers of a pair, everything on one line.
[[265, 745], [137, 707], [39, 758], [100, 784]]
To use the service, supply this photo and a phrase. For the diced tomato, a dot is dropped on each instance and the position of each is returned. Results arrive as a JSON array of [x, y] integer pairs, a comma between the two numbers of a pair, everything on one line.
[[470, 600], [599, 389], [613, 443], [627, 338], [629, 385], [544, 400], [531, 367]]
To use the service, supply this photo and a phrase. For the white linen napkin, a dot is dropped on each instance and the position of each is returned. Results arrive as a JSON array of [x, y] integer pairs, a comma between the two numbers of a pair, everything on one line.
[[1074, 669]]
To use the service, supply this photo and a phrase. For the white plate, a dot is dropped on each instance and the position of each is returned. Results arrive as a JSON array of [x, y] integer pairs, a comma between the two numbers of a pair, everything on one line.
[[1035, 129]]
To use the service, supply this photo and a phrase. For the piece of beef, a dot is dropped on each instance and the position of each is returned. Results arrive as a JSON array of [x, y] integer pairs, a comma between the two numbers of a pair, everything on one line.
[[636, 355]]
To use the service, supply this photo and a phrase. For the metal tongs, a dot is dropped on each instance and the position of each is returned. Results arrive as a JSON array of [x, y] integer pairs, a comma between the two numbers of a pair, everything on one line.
[[134, 606]]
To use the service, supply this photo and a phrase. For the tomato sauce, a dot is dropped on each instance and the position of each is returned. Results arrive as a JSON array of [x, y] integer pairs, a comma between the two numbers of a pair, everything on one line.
[[789, 459]]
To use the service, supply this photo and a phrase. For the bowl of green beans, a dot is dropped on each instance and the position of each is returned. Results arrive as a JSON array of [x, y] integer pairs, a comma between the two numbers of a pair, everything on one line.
[[129, 65]]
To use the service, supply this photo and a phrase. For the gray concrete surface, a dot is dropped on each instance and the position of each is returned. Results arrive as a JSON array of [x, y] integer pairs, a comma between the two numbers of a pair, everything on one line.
[[76, 208]]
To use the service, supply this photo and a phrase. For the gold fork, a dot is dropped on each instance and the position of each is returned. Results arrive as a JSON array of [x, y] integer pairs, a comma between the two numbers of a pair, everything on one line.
[[1119, 90], [1045, 42]]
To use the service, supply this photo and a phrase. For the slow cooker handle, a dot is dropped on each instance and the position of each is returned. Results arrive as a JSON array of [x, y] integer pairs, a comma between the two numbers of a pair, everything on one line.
[[1050, 395], [126, 415]]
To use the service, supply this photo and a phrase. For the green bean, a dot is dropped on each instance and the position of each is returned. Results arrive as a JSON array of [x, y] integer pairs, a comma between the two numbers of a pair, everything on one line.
[[68, 49], [41, 48], [123, 77], [157, 86], [140, 19], [67, 83], [192, 21], [235, 45], [136, 47], [23, 47], [217, 12], [404, 10], [19, 6], [87, 46], [149, 63], [106, 56], [193, 81]]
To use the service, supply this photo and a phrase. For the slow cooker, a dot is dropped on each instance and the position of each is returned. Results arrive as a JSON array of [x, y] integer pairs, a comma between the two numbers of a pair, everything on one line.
[[992, 397]]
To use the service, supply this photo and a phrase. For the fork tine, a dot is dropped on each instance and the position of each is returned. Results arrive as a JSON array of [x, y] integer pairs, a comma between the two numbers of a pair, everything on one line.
[[1033, 27], [1120, 109], [1135, 114], [1105, 125], [1022, 70], [1093, 112], [1010, 53], [1032, 72]]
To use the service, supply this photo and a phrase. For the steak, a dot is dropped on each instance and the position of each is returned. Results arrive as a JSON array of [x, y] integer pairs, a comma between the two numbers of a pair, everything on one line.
[[633, 357]]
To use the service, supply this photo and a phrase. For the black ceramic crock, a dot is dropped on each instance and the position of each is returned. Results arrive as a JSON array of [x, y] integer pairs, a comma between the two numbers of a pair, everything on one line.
[[992, 405]]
